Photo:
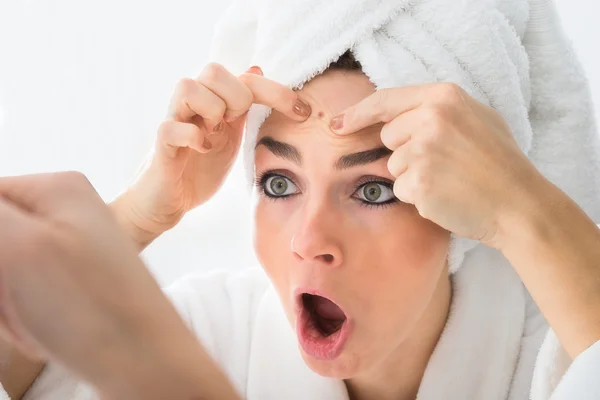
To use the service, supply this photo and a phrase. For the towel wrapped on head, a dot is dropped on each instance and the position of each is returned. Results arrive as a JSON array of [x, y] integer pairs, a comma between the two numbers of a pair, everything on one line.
[[509, 54]]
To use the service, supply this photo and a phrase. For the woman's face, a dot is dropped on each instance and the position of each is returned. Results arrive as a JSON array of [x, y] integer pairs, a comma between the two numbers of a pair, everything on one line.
[[358, 272]]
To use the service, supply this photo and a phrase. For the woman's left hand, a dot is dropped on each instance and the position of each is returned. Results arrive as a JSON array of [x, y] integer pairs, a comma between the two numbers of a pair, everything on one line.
[[454, 158]]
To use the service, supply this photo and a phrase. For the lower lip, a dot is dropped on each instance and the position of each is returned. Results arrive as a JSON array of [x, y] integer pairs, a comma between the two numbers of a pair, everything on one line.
[[317, 345]]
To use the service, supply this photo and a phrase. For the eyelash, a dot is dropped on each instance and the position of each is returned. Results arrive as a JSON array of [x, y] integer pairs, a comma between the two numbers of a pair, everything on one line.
[[366, 181], [261, 180]]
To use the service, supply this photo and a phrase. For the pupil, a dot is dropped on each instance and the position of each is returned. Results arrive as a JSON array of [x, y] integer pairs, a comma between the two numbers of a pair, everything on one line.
[[278, 185], [372, 192]]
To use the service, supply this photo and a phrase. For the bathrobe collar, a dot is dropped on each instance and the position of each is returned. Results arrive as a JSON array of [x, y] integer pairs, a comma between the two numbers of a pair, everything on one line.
[[475, 358]]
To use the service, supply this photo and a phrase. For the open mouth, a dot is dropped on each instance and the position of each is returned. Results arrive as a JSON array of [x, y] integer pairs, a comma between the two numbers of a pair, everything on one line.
[[325, 315], [322, 327]]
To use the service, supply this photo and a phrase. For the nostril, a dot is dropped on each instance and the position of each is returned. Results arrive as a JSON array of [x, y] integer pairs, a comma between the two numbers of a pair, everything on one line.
[[328, 258]]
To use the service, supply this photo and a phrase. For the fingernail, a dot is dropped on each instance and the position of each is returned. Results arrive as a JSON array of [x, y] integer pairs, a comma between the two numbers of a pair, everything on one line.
[[217, 127], [337, 123], [255, 69], [302, 108]]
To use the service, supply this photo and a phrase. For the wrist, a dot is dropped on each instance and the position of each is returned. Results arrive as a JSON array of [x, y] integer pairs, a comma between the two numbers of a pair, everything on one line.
[[529, 211], [131, 222]]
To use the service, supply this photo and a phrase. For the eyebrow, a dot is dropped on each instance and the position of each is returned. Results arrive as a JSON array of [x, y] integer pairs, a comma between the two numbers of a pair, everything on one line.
[[291, 153], [362, 158], [280, 149]]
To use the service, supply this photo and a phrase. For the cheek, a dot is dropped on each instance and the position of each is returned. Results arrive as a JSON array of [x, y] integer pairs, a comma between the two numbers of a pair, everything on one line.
[[403, 257], [271, 240]]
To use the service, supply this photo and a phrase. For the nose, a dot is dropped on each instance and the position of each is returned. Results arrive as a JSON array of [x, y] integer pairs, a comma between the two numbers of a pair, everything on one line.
[[317, 238]]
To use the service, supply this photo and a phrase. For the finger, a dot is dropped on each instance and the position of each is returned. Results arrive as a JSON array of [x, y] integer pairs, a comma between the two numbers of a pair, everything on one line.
[[237, 96], [398, 161], [192, 98], [173, 135], [399, 131], [382, 106], [277, 96], [402, 189]]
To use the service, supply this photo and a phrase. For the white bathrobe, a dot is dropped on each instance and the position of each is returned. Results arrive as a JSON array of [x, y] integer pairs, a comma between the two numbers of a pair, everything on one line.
[[240, 321]]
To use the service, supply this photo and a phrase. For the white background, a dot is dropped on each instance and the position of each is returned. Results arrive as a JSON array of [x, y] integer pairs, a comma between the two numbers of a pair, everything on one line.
[[84, 84]]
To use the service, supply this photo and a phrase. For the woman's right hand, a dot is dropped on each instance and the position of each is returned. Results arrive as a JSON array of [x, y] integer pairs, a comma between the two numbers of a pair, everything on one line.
[[196, 147]]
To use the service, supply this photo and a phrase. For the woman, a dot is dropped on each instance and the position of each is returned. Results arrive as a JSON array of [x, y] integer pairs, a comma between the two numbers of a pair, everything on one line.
[[353, 234]]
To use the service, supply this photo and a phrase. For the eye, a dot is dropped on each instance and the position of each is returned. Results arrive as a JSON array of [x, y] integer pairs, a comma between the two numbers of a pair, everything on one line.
[[279, 186], [375, 192]]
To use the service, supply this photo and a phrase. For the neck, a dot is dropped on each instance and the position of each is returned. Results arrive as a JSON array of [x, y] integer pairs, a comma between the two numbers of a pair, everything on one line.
[[399, 376]]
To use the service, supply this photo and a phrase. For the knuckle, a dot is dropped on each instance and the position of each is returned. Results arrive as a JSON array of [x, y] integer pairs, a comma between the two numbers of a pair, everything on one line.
[[246, 79], [425, 145], [165, 129], [184, 87], [246, 98], [425, 165], [422, 181], [420, 148], [449, 91], [215, 109], [242, 104], [435, 117], [212, 72]]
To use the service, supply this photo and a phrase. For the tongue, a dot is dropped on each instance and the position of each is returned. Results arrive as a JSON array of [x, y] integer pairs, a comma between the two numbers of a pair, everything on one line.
[[327, 309]]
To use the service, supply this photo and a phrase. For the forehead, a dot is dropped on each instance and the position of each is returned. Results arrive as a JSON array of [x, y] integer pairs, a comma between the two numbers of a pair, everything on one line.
[[328, 94], [335, 90]]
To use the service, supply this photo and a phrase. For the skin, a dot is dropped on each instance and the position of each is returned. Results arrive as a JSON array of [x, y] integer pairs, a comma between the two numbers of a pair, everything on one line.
[[196, 146], [63, 253], [508, 205], [385, 266], [194, 150], [549, 240]]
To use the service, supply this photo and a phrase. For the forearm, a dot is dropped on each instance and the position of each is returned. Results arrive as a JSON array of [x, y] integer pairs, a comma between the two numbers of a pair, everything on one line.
[[172, 365], [180, 380], [555, 248]]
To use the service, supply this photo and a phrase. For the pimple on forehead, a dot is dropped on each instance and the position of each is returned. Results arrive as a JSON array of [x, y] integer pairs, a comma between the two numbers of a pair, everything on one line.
[[320, 114]]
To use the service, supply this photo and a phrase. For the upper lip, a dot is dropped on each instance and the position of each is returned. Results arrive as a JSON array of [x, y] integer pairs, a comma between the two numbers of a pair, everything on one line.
[[315, 292]]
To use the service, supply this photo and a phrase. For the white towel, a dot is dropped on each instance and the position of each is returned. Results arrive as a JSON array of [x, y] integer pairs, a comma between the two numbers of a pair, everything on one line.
[[510, 54]]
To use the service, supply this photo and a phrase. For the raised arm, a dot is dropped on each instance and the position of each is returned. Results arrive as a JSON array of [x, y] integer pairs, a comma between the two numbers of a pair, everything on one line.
[[196, 146]]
